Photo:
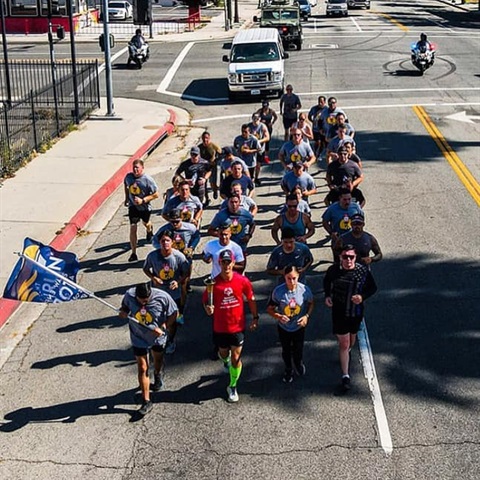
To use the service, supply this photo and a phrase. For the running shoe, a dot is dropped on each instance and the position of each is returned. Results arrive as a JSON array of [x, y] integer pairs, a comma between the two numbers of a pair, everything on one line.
[[145, 408], [288, 376], [215, 194], [346, 383], [232, 395], [301, 370], [149, 235], [133, 257], [170, 348], [180, 320], [266, 159], [158, 382], [258, 183]]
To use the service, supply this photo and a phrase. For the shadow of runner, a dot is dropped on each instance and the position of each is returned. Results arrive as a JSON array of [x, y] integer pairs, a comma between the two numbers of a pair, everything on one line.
[[70, 412]]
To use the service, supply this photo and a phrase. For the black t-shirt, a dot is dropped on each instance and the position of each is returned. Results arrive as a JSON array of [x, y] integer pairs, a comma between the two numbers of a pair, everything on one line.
[[337, 172]]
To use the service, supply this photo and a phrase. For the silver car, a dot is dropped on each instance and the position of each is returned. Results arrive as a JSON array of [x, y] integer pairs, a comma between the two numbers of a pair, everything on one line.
[[359, 4], [337, 7]]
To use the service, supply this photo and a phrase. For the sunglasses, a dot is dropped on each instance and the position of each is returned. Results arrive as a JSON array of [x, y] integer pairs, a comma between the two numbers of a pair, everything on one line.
[[292, 206], [348, 257]]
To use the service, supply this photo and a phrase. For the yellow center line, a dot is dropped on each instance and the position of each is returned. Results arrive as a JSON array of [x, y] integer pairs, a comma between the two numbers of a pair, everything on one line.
[[465, 176], [401, 26]]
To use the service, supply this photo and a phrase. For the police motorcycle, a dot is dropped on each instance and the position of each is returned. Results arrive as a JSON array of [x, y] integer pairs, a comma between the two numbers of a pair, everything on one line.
[[138, 50], [423, 54]]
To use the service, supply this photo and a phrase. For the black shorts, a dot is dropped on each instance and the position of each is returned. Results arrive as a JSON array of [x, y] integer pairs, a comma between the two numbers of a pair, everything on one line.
[[345, 325], [318, 137], [288, 122], [142, 352], [136, 215], [227, 340]]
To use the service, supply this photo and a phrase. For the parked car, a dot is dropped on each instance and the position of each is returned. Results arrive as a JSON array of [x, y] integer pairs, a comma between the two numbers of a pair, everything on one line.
[[305, 8], [337, 7], [120, 10]]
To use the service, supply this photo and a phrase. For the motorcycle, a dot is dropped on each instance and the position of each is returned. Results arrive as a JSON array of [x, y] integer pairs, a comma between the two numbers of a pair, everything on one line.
[[137, 54], [423, 57]]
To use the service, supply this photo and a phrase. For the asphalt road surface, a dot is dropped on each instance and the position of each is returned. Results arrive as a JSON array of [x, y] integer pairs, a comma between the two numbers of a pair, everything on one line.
[[422, 325]]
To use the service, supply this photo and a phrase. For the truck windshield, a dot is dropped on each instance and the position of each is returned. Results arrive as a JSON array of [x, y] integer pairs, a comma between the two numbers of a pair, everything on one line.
[[280, 15], [255, 52]]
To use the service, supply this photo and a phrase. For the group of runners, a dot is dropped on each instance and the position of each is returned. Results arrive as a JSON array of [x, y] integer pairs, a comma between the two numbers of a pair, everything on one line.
[[321, 139]]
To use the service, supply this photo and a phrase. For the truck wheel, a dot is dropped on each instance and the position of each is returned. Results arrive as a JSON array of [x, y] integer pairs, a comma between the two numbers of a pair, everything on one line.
[[299, 45]]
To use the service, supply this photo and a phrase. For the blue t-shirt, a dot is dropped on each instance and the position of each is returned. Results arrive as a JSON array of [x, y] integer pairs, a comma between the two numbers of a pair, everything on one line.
[[305, 181], [242, 223], [293, 304], [186, 235], [154, 314], [339, 218], [300, 257]]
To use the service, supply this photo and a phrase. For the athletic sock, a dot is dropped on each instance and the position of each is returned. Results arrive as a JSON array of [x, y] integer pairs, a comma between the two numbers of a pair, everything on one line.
[[234, 375]]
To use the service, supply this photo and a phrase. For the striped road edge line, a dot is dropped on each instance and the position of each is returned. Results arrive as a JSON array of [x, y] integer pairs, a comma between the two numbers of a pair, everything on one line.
[[366, 356], [463, 173]]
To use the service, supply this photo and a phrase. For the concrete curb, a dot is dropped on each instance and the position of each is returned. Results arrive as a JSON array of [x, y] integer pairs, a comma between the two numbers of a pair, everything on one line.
[[62, 240]]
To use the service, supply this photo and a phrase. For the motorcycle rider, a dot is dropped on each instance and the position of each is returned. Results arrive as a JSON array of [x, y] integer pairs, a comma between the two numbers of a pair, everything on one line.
[[138, 40], [423, 46]]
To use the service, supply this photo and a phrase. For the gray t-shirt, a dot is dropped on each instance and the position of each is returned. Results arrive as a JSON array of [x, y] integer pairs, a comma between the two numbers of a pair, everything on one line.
[[170, 268], [154, 314], [142, 187], [293, 304]]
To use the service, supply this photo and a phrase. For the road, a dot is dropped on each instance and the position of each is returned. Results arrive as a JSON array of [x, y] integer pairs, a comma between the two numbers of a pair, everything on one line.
[[422, 325]]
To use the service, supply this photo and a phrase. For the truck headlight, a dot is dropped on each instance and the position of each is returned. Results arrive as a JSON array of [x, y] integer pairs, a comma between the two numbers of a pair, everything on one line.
[[277, 76], [232, 78]]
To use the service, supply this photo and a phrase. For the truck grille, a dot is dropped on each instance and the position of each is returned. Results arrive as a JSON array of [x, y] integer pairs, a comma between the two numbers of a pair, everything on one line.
[[253, 77]]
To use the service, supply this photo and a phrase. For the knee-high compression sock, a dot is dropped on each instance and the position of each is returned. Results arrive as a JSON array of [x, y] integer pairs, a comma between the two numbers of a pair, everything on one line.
[[234, 375]]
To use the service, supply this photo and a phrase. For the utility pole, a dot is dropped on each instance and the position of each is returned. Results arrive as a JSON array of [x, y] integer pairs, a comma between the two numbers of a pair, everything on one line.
[[53, 64], [108, 59], [76, 111], [5, 55]]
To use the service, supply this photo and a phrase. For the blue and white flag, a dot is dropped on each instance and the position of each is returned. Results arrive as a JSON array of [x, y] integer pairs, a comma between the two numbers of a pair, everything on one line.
[[44, 275]]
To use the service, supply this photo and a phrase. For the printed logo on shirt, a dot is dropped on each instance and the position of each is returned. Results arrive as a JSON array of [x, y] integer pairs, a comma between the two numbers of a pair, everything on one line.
[[292, 308], [143, 316], [178, 242], [332, 120], [345, 223], [295, 156], [185, 214], [135, 189], [166, 272], [236, 226]]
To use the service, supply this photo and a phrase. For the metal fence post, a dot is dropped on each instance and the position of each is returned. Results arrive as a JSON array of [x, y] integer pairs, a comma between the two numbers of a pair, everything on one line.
[[34, 124]]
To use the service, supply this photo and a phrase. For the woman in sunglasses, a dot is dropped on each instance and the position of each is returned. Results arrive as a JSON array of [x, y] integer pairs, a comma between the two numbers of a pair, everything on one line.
[[347, 285]]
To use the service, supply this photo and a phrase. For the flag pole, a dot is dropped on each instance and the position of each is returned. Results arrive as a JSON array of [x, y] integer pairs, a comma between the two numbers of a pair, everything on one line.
[[76, 285]]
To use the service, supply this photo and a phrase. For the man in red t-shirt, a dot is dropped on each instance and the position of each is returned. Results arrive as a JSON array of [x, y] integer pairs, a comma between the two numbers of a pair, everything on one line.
[[229, 290]]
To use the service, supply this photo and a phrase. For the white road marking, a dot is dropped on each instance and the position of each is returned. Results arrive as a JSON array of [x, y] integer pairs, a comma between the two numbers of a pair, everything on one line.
[[101, 68], [356, 24], [396, 90], [371, 375], [347, 107], [162, 88]]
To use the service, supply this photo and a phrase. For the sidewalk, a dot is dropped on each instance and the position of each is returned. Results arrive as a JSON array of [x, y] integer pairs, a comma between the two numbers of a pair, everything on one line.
[[53, 197]]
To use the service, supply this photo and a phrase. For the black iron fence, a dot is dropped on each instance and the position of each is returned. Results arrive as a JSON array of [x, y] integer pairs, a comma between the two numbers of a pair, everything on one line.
[[38, 115]]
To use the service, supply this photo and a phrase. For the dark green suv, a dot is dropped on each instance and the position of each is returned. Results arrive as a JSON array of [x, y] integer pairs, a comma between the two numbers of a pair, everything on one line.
[[285, 17]]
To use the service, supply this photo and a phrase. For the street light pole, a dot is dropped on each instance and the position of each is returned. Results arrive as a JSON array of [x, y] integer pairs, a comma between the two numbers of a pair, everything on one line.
[[76, 110], [108, 59], [236, 18], [5, 55]]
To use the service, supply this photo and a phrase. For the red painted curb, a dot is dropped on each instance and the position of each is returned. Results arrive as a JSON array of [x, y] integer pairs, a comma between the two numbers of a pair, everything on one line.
[[80, 219]]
